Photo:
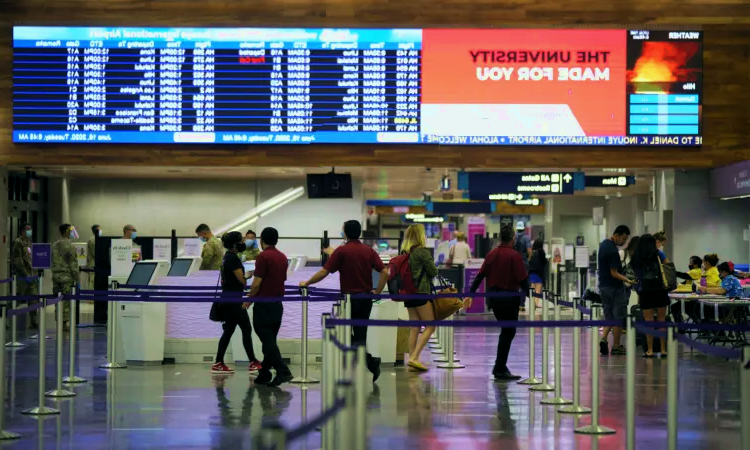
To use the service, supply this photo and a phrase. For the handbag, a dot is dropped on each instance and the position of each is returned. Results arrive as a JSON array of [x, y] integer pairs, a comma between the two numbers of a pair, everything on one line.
[[217, 313], [668, 276], [445, 307]]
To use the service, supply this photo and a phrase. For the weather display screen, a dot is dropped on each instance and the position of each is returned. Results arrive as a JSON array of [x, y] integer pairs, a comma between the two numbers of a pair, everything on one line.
[[350, 86]]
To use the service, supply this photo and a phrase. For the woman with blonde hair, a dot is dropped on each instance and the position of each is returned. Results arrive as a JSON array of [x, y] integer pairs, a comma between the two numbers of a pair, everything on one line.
[[460, 252], [423, 270], [661, 238]]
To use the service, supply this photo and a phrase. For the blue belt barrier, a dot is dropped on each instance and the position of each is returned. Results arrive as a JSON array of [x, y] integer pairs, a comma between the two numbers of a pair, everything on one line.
[[317, 422], [473, 323], [719, 352]]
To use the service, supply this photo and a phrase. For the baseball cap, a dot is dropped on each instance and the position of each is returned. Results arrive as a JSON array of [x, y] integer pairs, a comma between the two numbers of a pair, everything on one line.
[[520, 226]]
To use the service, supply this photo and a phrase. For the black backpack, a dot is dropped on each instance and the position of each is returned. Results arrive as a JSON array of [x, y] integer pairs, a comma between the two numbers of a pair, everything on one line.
[[519, 247], [651, 279]]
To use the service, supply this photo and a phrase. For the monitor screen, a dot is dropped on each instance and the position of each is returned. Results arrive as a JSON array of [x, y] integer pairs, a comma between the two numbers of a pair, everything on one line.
[[180, 267], [347, 86], [142, 273]]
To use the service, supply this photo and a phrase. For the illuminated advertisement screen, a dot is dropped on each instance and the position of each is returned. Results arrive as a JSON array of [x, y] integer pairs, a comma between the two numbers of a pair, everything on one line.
[[357, 86]]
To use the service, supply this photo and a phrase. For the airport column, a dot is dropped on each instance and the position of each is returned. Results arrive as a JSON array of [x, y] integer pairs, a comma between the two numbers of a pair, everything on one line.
[[4, 219]]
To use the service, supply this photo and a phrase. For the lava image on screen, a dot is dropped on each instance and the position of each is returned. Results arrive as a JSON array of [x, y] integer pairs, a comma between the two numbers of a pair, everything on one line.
[[665, 79], [507, 83]]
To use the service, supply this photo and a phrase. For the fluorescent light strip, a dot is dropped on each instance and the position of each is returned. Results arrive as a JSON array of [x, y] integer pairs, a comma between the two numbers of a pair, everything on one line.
[[735, 198]]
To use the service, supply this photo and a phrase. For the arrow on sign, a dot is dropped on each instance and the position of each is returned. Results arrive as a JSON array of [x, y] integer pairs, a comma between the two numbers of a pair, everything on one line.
[[567, 178]]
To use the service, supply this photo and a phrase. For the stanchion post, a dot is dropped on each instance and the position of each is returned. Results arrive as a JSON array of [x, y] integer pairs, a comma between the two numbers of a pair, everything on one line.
[[327, 384], [671, 390], [594, 428], [348, 316], [13, 322], [42, 409], [4, 435], [630, 385], [112, 334], [59, 391], [576, 407], [532, 379], [558, 399], [745, 398], [360, 409], [544, 386], [451, 362], [72, 378], [42, 332], [304, 379]]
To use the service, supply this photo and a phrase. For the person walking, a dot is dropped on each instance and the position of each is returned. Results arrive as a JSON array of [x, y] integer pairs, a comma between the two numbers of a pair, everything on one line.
[[64, 268], [268, 281], [460, 252], [232, 314], [537, 266], [505, 271], [522, 244], [355, 262], [212, 253], [423, 271], [21, 258], [612, 288]]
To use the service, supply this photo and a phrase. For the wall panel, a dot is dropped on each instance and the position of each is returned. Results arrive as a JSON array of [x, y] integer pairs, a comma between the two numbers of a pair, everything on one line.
[[726, 68]]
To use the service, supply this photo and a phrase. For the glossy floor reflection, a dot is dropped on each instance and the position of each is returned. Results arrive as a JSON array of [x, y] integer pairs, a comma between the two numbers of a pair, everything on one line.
[[185, 407]]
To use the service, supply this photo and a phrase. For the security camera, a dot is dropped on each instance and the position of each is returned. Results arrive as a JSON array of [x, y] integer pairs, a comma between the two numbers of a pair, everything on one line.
[[429, 169]]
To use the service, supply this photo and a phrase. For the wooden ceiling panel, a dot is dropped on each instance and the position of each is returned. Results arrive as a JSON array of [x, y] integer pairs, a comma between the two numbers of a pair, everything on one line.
[[726, 67]]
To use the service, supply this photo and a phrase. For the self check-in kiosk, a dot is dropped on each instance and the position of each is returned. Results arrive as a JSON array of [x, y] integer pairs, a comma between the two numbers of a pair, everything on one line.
[[184, 266], [142, 324]]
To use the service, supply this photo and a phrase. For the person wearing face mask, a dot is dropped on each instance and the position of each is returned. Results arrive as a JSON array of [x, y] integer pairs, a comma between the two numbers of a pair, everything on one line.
[[730, 284], [21, 257], [661, 238], [129, 232], [710, 277], [96, 230], [268, 281], [213, 250], [65, 267], [232, 314], [252, 251], [612, 288]]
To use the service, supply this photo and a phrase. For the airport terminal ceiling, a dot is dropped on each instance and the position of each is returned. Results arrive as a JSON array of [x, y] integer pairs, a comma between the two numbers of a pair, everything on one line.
[[376, 182]]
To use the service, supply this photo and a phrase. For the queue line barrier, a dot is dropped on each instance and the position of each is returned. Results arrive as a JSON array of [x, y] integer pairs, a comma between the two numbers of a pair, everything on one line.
[[343, 329]]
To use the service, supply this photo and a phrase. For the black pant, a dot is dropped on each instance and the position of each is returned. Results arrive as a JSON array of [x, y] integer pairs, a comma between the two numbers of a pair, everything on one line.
[[361, 309], [267, 324], [236, 315], [505, 309]]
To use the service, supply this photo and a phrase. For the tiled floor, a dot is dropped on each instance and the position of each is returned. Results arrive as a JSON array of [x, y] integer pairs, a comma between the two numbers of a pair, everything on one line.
[[185, 407]]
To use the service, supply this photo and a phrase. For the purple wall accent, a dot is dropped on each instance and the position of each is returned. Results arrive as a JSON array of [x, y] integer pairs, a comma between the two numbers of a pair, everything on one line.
[[731, 181]]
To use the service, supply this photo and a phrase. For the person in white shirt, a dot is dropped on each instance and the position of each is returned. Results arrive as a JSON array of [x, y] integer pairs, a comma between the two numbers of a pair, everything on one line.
[[460, 252]]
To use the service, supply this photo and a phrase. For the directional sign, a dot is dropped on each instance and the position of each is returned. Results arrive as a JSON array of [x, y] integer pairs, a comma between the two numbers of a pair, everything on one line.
[[482, 185], [613, 181]]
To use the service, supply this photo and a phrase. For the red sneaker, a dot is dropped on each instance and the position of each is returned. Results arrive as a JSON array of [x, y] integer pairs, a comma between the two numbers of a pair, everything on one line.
[[220, 367], [254, 366]]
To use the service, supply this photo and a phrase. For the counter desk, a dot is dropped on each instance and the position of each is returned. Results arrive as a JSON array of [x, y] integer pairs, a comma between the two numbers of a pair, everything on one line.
[[725, 310]]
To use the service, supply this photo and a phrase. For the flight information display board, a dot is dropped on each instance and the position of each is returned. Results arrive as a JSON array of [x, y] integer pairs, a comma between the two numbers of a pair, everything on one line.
[[386, 86]]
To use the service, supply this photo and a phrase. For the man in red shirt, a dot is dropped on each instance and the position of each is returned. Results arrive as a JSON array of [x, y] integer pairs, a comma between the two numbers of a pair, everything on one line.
[[505, 271], [268, 281], [355, 262]]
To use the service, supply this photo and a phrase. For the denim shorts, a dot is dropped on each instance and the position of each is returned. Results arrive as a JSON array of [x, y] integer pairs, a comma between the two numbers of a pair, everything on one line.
[[614, 302]]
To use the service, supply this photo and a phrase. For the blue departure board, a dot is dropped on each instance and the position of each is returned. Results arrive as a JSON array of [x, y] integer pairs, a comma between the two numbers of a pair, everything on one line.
[[351, 86]]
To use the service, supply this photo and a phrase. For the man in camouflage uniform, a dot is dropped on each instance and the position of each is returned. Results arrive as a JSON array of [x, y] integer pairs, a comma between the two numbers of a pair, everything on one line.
[[212, 254], [91, 254], [65, 267], [21, 258], [252, 251]]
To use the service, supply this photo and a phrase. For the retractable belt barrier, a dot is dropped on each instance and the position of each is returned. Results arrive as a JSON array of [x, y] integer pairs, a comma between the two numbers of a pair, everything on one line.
[[343, 418]]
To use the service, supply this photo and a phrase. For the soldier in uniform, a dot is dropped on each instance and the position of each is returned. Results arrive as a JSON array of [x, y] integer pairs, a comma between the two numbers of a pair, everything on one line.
[[91, 254], [252, 251], [65, 267], [212, 254], [22, 268]]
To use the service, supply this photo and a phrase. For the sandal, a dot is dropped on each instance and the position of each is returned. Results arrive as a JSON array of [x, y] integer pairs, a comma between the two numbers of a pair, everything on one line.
[[417, 365]]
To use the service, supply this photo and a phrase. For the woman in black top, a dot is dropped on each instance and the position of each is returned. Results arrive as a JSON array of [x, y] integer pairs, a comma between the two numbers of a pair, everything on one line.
[[233, 314], [536, 269], [651, 293]]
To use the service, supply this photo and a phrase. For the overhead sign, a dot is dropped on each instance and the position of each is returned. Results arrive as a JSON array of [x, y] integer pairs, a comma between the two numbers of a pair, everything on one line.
[[495, 185], [731, 181], [613, 181], [422, 218], [41, 256]]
